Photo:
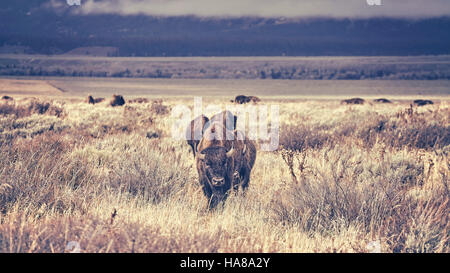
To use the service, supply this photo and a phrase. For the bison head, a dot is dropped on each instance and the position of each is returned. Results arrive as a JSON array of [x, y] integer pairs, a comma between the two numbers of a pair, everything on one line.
[[217, 163]]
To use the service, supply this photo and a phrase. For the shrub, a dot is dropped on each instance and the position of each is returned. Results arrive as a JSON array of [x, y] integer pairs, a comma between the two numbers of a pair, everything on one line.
[[158, 108], [30, 108], [11, 128], [154, 173], [345, 186], [37, 173]]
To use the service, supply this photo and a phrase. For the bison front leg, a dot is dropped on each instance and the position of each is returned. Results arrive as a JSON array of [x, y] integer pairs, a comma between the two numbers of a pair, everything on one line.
[[207, 191], [241, 179], [213, 198], [245, 179]]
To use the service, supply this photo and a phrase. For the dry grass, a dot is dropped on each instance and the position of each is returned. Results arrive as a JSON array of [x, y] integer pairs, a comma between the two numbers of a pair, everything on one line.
[[344, 176]]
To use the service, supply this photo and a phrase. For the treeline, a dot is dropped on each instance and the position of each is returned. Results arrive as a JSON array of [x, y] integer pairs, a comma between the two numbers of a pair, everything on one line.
[[231, 72]]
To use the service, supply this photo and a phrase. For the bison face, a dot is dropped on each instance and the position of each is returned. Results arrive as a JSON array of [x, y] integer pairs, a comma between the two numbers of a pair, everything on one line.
[[218, 165]]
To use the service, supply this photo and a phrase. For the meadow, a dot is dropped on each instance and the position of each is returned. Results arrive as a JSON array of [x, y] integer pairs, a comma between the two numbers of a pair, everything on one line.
[[345, 178]]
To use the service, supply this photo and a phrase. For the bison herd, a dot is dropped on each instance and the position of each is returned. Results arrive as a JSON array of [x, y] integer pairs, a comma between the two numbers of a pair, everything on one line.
[[383, 100], [224, 156], [118, 100]]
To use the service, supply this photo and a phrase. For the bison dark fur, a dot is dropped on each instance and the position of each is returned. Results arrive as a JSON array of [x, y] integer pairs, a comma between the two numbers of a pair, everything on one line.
[[242, 99], [382, 100], [7, 98], [353, 101], [422, 102], [117, 100]]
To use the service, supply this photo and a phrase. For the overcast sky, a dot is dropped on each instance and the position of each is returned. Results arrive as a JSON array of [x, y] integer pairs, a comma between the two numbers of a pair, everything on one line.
[[268, 8]]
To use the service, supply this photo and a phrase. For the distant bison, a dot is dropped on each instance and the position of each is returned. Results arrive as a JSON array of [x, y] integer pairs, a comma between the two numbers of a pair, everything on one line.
[[194, 132], [91, 100], [422, 102], [117, 100], [224, 160], [382, 100], [353, 101], [7, 98], [241, 99]]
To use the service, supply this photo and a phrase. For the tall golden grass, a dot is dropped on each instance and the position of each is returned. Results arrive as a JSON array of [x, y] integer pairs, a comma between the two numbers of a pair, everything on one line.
[[114, 180]]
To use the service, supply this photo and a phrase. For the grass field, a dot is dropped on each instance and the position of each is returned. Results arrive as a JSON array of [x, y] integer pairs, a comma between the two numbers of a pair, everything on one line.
[[226, 89], [114, 180]]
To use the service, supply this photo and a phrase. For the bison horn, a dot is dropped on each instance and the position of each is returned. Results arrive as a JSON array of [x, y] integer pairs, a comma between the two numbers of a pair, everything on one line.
[[199, 154], [195, 148], [230, 153], [245, 149]]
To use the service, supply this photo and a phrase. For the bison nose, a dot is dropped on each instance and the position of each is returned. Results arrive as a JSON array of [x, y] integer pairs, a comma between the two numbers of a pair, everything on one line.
[[218, 181]]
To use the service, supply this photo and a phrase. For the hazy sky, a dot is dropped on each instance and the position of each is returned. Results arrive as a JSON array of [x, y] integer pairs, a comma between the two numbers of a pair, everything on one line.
[[269, 8]]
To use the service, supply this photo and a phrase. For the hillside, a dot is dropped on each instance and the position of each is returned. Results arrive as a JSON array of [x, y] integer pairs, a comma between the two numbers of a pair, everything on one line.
[[53, 31]]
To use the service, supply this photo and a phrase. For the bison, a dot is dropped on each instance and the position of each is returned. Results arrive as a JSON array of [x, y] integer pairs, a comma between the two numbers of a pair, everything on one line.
[[7, 98], [224, 161], [422, 102], [195, 131], [117, 100], [382, 100], [242, 99], [353, 101]]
